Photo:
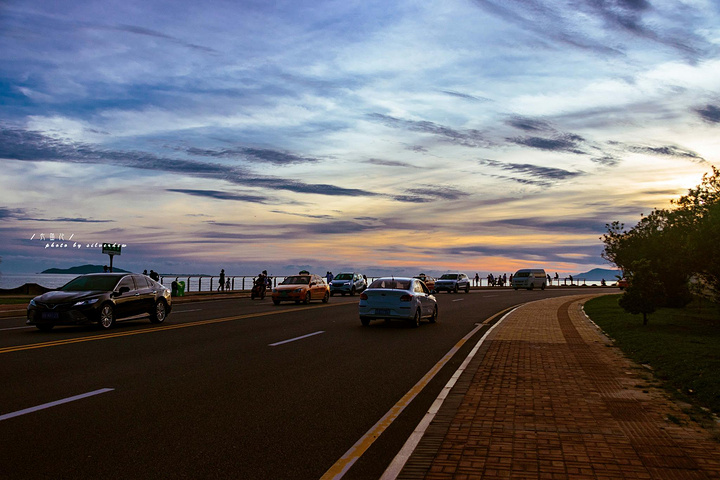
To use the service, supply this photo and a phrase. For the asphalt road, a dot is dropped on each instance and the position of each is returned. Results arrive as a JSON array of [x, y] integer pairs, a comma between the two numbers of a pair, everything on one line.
[[218, 391]]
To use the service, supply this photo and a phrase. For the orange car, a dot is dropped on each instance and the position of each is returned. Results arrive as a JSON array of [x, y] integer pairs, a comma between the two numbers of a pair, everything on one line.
[[428, 281], [623, 283], [301, 288]]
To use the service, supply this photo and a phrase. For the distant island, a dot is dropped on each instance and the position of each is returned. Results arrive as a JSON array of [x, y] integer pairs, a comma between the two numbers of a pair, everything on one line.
[[83, 269], [599, 274]]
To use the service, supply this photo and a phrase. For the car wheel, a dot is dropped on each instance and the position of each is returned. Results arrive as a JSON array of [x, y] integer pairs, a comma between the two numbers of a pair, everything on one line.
[[467, 288], [543, 287], [45, 327], [276, 302], [365, 321], [434, 317], [107, 317], [326, 298], [158, 315], [416, 319], [455, 290], [307, 298], [352, 292]]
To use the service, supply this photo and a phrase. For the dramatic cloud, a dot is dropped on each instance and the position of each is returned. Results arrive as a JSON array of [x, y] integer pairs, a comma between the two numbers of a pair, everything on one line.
[[253, 154], [667, 151], [468, 138], [710, 113], [352, 128], [544, 173], [566, 143], [18, 144], [221, 195]]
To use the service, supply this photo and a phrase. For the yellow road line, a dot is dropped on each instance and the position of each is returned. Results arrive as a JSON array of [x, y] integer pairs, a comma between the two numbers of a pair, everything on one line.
[[160, 328], [341, 467]]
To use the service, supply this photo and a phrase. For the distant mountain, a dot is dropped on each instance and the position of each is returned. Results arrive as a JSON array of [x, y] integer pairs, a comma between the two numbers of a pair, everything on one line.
[[83, 269], [599, 274]]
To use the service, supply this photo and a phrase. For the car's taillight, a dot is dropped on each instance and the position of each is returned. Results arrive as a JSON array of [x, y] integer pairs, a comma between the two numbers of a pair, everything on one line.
[[406, 298], [363, 296]]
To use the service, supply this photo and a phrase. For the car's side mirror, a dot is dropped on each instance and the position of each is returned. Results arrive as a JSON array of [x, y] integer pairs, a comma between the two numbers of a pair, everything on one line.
[[123, 290]]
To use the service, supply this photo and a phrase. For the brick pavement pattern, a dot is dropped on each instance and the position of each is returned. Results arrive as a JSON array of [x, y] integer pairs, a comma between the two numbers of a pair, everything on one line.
[[548, 396]]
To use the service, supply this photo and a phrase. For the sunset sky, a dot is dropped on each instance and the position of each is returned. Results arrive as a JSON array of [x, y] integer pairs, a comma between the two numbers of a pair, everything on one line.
[[381, 136]]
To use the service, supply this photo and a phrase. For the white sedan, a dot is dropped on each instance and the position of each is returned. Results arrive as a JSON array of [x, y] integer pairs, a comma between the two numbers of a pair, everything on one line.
[[402, 298]]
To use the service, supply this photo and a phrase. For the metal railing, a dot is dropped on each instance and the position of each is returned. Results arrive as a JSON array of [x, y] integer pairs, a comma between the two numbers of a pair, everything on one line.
[[239, 283]]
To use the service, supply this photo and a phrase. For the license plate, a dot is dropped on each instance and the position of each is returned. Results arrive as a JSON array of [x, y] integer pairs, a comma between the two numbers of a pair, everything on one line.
[[50, 315], [382, 311]]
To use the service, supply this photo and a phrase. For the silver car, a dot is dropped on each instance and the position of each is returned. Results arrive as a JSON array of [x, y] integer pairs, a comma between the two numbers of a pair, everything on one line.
[[452, 282], [398, 298]]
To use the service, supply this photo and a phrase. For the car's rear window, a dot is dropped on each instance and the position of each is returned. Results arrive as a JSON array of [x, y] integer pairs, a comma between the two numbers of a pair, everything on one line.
[[391, 283], [296, 280], [91, 283]]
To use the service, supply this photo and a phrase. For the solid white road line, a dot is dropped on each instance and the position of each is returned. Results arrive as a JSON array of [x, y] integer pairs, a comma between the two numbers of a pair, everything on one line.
[[296, 338], [54, 404], [341, 467], [459, 300], [393, 470], [13, 328]]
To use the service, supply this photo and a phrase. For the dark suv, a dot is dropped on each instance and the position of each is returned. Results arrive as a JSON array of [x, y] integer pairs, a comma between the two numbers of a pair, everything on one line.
[[100, 298], [452, 282], [350, 283]]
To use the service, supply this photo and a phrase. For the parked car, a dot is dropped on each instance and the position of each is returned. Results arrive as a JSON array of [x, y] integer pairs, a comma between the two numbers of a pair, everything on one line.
[[301, 288], [347, 283], [101, 298], [452, 282], [623, 283], [406, 299], [529, 278], [428, 281]]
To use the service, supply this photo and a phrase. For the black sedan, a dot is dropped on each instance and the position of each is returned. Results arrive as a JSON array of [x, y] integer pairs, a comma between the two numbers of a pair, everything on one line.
[[100, 298]]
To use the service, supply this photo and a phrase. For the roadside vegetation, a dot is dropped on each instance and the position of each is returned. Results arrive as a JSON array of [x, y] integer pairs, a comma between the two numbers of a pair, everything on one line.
[[681, 345], [672, 253], [671, 260]]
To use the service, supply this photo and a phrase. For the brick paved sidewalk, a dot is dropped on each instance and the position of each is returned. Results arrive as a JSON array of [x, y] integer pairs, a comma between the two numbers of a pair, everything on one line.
[[547, 396]]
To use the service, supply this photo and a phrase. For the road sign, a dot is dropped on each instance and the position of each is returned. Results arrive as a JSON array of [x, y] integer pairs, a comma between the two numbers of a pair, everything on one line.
[[111, 248]]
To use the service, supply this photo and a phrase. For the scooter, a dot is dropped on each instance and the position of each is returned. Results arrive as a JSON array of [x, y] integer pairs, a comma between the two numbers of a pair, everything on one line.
[[258, 289]]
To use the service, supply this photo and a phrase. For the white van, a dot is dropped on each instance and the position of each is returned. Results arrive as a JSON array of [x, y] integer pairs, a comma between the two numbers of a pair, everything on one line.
[[529, 278]]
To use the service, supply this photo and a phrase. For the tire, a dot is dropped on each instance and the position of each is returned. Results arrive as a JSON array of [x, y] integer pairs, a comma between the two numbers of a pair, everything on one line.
[[365, 321], [160, 313], [352, 292], [276, 302], [107, 317], [467, 288], [455, 290], [326, 298], [543, 287], [307, 298], [434, 317], [415, 322], [44, 327]]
